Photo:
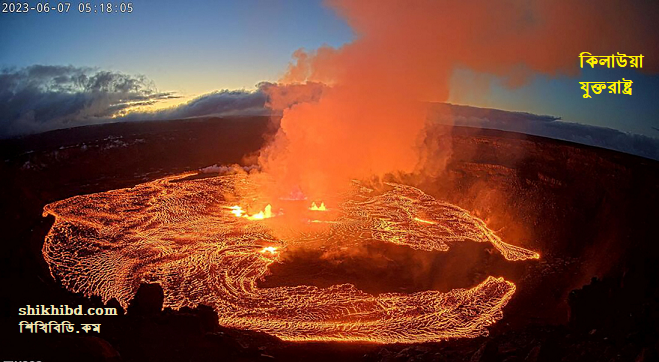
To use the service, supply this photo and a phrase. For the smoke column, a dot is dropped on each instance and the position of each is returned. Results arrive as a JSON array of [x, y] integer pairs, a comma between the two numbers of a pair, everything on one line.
[[370, 118]]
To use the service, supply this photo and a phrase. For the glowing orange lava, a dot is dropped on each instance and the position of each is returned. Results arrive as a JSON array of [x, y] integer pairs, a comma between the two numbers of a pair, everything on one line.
[[265, 214], [424, 221], [269, 250], [178, 233], [315, 207]]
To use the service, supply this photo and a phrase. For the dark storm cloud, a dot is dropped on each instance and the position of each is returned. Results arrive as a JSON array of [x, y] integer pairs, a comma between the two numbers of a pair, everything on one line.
[[547, 126], [43, 97]]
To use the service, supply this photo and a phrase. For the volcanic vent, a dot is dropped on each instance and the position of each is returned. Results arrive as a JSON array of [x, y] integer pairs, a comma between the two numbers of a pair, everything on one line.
[[200, 241]]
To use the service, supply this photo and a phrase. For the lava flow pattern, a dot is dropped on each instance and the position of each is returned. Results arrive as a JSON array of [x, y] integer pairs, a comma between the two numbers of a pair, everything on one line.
[[190, 237]]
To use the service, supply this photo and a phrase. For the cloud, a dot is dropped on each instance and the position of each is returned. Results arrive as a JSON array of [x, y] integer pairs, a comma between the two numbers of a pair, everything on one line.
[[267, 99], [219, 103], [41, 98], [44, 97]]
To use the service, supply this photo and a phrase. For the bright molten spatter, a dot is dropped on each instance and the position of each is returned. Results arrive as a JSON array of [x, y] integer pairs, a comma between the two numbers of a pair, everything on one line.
[[195, 239]]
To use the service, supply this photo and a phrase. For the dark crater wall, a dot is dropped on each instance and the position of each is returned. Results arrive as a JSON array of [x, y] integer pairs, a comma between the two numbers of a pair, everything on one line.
[[590, 212]]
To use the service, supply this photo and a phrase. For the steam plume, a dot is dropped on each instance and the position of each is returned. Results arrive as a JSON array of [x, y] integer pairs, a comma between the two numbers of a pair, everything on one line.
[[370, 119]]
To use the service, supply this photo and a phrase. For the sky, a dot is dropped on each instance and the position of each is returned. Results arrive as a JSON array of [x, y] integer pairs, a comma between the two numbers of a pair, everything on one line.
[[195, 47], [562, 96], [190, 47]]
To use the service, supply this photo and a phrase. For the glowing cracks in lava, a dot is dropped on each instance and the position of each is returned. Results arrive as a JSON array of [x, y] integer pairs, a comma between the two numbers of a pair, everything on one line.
[[324, 222], [170, 233], [315, 207]]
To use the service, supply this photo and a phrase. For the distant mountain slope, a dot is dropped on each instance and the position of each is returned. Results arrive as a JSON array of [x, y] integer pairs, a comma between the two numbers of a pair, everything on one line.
[[546, 126]]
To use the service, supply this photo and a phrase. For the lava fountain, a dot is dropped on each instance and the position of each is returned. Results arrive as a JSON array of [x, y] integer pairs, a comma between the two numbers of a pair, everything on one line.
[[200, 240]]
